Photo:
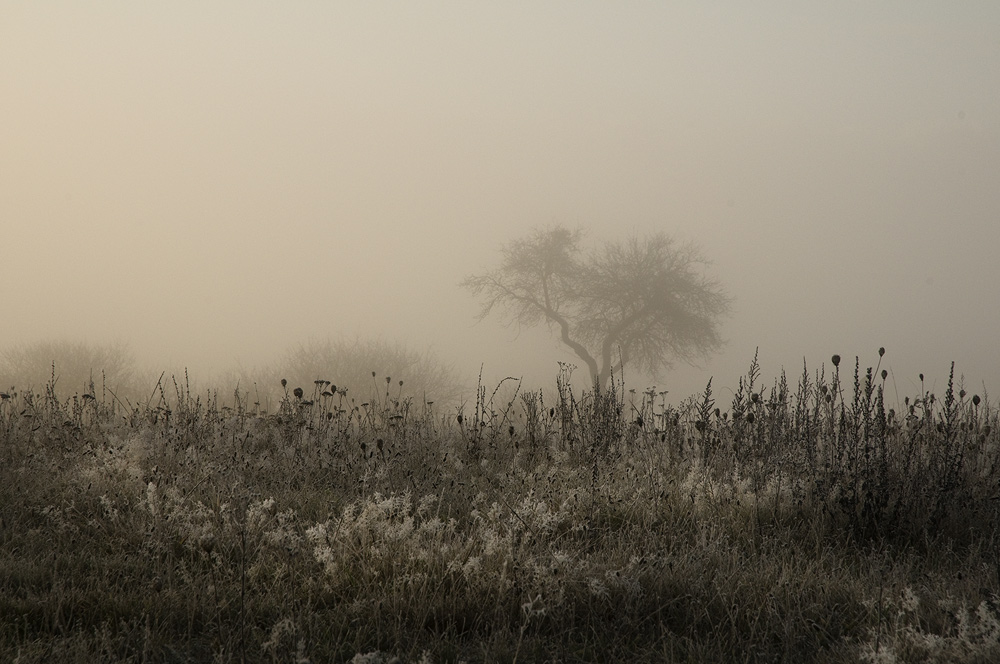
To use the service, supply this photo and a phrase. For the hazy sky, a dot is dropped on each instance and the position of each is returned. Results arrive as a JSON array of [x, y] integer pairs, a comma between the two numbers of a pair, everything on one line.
[[217, 181]]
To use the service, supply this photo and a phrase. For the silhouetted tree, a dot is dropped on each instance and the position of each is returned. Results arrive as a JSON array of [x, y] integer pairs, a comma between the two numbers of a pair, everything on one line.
[[642, 300]]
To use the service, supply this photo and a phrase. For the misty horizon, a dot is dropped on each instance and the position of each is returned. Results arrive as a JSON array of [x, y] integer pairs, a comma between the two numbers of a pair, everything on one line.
[[216, 185]]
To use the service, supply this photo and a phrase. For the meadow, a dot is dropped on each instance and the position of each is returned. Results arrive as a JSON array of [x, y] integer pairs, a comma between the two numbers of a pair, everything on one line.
[[805, 520]]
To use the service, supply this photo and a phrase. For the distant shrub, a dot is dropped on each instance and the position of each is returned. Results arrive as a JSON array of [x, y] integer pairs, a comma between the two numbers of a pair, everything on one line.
[[365, 367], [71, 367]]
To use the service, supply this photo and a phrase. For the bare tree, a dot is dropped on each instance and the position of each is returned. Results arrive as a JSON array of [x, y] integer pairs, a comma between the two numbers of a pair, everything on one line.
[[643, 300]]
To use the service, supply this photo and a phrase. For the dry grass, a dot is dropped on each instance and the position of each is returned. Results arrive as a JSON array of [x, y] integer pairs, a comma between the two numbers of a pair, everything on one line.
[[799, 525]]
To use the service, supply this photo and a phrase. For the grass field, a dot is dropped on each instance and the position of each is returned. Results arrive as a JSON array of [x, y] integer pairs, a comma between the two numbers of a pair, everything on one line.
[[804, 521]]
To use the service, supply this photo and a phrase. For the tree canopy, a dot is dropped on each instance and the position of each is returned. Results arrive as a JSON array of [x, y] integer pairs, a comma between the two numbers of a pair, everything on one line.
[[644, 301]]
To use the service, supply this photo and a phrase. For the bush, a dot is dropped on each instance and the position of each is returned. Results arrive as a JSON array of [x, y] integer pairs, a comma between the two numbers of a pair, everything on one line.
[[70, 367], [366, 367]]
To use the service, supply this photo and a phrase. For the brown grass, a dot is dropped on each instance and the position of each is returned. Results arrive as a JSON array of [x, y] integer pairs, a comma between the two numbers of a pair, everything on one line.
[[813, 524]]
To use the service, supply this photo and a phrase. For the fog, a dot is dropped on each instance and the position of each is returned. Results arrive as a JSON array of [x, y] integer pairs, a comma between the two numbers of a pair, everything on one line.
[[216, 182]]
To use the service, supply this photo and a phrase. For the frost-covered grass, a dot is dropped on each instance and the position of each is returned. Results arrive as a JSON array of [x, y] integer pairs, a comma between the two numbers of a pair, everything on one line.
[[797, 524]]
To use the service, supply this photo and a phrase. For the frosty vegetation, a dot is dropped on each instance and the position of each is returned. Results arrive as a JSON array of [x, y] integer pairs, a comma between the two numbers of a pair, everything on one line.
[[805, 520]]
